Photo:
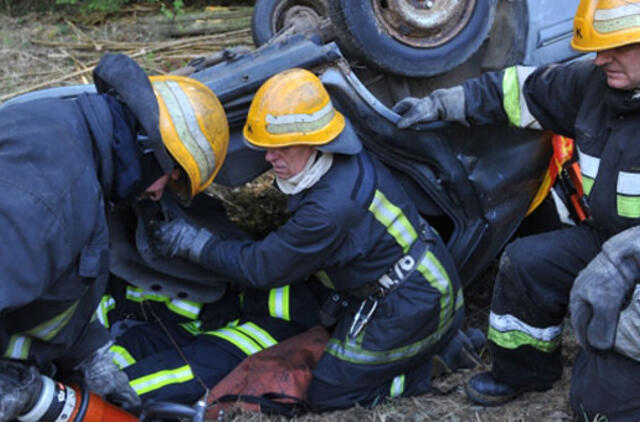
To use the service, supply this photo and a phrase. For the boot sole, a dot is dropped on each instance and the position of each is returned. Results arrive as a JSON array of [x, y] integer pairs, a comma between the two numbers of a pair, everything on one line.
[[491, 401]]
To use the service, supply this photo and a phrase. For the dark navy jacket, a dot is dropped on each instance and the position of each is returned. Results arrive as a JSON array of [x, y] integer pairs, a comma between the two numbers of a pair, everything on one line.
[[574, 100], [54, 252], [332, 229]]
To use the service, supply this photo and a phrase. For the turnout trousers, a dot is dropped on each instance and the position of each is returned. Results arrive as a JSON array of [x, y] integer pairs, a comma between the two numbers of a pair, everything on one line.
[[392, 355], [529, 305]]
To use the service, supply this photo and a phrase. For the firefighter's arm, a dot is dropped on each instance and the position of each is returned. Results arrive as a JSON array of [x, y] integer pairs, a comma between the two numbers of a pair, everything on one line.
[[602, 288]]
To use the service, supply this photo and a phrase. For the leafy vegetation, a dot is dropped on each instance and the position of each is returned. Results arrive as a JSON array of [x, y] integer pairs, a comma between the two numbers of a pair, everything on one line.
[[169, 8]]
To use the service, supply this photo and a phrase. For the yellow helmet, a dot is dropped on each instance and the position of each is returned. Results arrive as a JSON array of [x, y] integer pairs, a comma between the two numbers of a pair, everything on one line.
[[292, 108], [604, 24], [193, 127]]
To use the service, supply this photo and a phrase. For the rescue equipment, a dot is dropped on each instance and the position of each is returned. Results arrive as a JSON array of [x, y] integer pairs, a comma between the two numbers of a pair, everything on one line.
[[604, 24], [193, 127], [292, 108], [63, 403]]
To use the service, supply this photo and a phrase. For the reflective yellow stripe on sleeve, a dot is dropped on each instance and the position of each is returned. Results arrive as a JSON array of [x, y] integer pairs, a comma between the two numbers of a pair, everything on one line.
[[161, 379], [279, 300]]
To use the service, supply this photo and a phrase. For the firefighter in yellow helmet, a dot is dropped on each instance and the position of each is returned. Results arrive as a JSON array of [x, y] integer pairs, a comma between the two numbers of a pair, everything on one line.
[[592, 268], [62, 161], [355, 228]]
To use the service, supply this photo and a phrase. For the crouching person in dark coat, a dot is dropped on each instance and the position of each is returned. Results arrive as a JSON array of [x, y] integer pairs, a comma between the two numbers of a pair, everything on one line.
[[61, 162], [357, 230]]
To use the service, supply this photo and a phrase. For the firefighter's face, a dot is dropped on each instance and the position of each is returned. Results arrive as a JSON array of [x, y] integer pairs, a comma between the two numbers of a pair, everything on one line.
[[288, 161], [156, 189], [622, 66]]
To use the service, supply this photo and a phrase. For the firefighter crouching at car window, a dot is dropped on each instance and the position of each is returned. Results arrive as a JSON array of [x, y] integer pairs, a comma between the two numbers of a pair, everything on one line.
[[353, 226], [60, 162], [592, 268]]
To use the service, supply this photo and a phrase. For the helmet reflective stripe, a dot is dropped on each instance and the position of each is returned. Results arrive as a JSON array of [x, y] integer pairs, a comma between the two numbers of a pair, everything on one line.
[[510, 332], [161, 379], [392, 217], [18, 347], [279, 303], [184, 119], [617, 18], [291, 123]]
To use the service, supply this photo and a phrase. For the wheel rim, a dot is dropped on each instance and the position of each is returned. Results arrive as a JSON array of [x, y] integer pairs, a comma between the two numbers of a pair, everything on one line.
[[423, 23], [300, 14]]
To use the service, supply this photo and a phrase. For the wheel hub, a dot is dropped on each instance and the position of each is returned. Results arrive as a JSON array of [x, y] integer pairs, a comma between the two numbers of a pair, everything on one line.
[[423, 23]]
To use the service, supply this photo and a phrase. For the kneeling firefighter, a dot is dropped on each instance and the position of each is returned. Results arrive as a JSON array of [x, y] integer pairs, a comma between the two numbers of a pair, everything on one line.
[[61, 160], [357, 230]]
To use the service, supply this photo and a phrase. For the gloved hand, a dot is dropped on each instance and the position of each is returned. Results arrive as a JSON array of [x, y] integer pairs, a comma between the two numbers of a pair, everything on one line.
[[104, 378], [628, 333], [179, 238], [20, 385], [446, 104], [600, 290]]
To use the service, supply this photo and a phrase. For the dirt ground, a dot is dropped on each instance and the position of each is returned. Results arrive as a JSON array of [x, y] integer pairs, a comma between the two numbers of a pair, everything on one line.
[[53, 50]]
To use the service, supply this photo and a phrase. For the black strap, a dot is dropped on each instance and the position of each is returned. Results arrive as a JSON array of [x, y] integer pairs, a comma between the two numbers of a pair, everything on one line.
[[269, 403]]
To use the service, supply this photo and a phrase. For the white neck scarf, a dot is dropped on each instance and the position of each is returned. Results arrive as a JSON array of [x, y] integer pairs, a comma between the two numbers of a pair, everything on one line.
[[310, 174]]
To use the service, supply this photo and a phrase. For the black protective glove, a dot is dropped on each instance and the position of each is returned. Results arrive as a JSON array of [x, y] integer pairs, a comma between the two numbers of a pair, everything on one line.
[[628, 332], [179, 238], [20, 386], [104, 378], [601, 289], [446, 104]]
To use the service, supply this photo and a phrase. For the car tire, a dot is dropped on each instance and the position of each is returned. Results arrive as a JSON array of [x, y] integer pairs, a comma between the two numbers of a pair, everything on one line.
[[269, 16], [362, 36]]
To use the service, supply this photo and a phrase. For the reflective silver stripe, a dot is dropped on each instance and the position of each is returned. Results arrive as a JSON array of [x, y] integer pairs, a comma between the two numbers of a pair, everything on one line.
[[617, 12], [397, 385], [508, 322], [588, 164], [18, 347], [433, 271], [184, 307], [616, 18], [351, 351], [102, 313], [121, 356], [628, 183], [240, 340], [135, 294], [514, 102], [160, 379], [392, 217], [184, 120], [287, 119], [279, 303], [257, 333], [49, 329]]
